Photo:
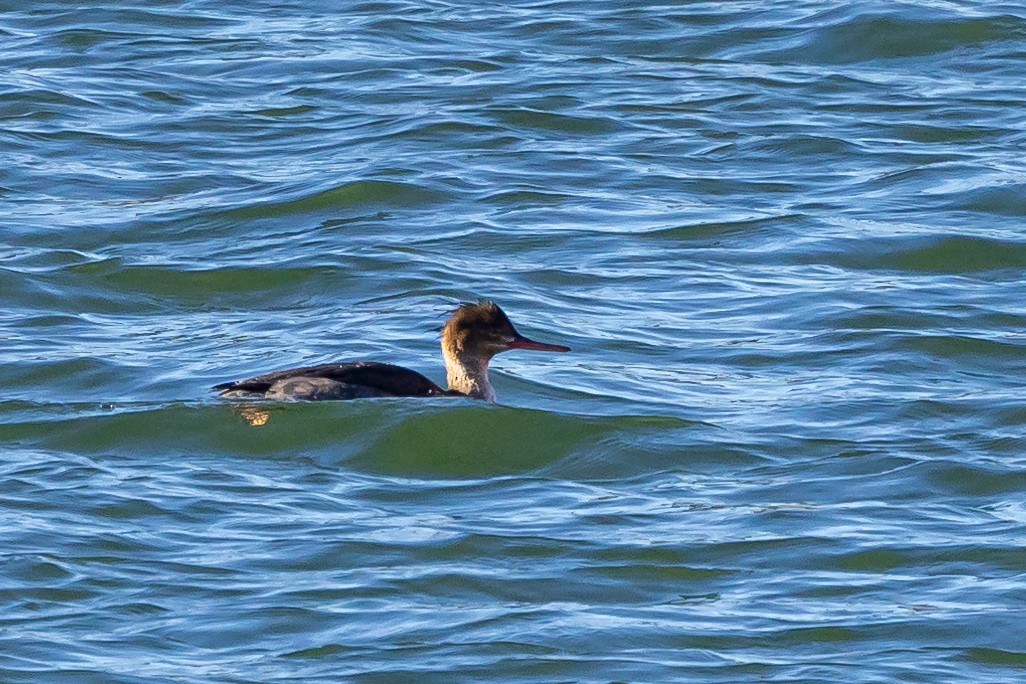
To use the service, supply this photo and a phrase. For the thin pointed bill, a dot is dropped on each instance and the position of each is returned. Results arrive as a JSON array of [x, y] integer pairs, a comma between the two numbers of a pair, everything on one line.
[[521, 342]]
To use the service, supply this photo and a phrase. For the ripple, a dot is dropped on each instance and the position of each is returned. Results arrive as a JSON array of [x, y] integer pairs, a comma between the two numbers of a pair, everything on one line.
[[897, 35], [553, 121], [1006, 201], [926, 254], [358, 195], [996, 656]]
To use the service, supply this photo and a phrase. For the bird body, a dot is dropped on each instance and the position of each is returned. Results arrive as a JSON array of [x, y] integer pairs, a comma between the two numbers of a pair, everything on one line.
[[353, 380], [472, 335]]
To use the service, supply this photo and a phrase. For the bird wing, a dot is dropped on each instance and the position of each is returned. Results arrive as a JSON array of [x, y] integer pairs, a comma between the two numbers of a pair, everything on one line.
[[383, 377]]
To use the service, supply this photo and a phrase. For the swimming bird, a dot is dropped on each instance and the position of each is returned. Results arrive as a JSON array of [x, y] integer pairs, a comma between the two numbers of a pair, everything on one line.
[[472, 335]]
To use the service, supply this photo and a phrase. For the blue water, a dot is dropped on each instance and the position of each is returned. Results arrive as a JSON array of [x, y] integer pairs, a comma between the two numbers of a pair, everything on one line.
[[784, 239]]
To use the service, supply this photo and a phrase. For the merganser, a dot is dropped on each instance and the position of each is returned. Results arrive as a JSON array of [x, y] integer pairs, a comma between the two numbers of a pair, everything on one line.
[[472, 335]]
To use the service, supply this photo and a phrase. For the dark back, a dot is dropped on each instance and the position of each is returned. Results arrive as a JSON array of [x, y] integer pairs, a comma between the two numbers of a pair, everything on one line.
[[384, 377]]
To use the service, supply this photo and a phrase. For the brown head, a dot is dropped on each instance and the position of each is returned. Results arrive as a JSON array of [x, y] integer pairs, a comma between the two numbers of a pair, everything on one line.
[[483, 330], [474, 334]]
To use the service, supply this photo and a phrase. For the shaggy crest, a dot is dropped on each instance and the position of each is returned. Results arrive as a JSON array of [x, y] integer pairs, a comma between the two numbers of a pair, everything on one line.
[[471, 324]]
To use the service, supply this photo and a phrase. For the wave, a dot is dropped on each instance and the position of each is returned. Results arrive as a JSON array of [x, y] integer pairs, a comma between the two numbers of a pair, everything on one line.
[[448, 438], [357, 194]]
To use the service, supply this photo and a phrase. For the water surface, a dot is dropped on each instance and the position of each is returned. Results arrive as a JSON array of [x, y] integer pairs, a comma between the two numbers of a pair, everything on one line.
[[785, 240]]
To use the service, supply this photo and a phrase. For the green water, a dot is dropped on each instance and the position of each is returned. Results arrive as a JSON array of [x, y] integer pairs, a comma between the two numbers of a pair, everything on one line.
[[785, 241]]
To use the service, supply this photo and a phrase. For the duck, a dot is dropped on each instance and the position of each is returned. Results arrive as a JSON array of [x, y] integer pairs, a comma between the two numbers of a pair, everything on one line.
[[471, 336]]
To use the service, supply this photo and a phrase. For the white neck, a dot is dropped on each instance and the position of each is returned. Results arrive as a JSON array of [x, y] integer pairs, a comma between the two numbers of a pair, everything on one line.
[[468, 374]]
